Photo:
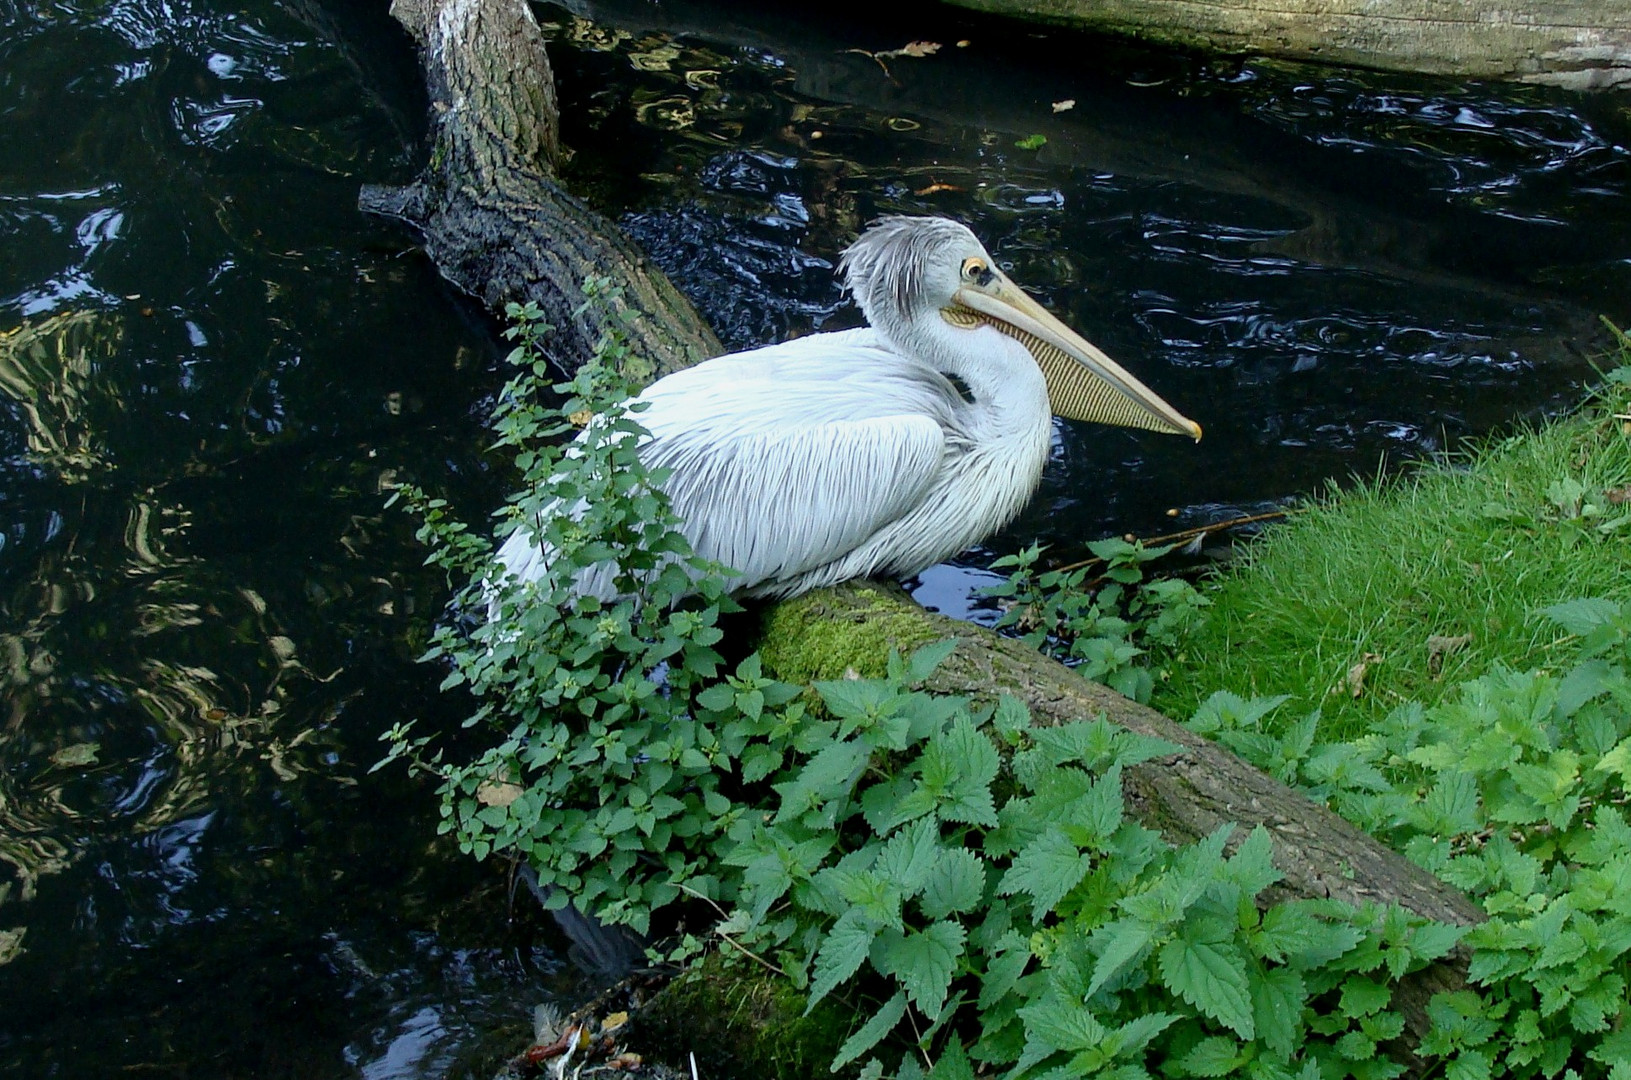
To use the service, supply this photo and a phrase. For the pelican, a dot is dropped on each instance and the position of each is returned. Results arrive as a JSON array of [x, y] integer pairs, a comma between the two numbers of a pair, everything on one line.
[[880, 450]]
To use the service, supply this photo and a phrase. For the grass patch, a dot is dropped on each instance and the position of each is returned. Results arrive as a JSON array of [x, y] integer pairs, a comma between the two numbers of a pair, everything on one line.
[[1461, 547]]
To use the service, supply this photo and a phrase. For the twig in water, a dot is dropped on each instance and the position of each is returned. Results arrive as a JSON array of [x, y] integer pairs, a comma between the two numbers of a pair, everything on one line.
[[876, 59]]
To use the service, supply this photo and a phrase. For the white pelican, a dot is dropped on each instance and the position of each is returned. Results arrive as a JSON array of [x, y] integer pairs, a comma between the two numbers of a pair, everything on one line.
[[880, 450]]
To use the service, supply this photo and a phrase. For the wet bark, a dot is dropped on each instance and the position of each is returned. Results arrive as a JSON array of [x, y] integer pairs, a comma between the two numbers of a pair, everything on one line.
[[500, 227], [494, 219], [1580, 44]]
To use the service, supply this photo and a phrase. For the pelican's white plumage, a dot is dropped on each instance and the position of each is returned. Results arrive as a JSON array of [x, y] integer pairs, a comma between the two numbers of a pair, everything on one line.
[[881, 450]]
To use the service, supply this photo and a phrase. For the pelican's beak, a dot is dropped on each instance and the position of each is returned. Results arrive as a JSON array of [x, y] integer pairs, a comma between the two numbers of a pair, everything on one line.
[[1083, 383]]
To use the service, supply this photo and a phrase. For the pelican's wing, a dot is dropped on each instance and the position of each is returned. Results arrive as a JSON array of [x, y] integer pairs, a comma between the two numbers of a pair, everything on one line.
[[771, 505], [786, 458]]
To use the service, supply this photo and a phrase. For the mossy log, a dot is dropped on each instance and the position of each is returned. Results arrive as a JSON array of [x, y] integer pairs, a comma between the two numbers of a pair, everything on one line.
[[1579, 44], [498, 225], [1185, 796]]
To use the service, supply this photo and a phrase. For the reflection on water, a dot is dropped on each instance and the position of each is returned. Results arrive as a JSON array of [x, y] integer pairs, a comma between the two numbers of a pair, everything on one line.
[[211, 366]]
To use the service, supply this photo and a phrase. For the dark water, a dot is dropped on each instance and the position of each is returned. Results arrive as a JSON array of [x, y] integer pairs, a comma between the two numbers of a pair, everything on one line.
[[211, 365]]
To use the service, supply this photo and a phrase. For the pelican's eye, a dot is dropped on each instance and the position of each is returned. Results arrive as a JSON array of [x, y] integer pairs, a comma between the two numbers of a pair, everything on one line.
[[975, 270]]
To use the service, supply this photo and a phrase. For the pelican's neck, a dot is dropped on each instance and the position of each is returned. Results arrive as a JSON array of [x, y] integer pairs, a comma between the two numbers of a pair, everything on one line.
[[1000, 373]]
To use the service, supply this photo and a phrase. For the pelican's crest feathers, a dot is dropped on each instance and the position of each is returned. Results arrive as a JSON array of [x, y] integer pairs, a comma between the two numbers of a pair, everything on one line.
[[885, 268]]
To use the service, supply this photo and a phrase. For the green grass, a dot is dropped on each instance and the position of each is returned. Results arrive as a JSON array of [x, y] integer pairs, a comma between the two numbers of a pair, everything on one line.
[[1469, 546]]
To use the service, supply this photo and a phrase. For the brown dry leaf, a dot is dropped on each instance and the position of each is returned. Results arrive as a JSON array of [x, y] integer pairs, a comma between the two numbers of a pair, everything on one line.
[[581, 418], [965, 43], [498, 792], [936, 187], [1439, 646], [1354, 681], [919, 48], [1618, 495], [1065, 105]]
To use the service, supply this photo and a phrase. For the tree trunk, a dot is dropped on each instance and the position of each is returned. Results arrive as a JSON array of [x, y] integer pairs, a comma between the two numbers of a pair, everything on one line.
[[498, 226], [494, 220], [1579, 44]]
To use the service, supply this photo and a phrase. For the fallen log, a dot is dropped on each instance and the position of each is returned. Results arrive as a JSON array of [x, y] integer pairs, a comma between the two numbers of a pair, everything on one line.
[[1578, 44], [498, 225], [493, 219]]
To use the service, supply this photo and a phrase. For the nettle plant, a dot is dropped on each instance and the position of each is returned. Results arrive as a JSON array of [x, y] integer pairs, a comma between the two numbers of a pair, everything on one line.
[[978, 874], [963, 878], [601, 761], [1101, 618], [1514, 789]]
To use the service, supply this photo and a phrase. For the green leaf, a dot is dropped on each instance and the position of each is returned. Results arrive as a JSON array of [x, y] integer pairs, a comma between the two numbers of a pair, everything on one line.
[[926, 659], [854, 699], [1212, 978], [908, 858], [1032, 142], [1046, 869], [1127, 939], [1278, 996], [922, 961], [1224, 711], [1214, 1056], [830, 774], [1362, 996], [1287, 931], [841, 955], [1582, 617], [1062, 1025], [872, 1032], [1468, 1065], [1433, 940], [1252, 865], [1001, 975], [953, 1064], [968, 798], [955, 884], [1136, 1034]]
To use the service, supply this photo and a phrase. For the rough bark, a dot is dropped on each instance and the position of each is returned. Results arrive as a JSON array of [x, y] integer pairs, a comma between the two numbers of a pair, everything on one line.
[[496, 223], [494, 220], [1580, 44]]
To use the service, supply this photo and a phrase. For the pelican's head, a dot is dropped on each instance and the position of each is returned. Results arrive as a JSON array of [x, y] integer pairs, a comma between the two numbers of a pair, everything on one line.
[[904, 270]]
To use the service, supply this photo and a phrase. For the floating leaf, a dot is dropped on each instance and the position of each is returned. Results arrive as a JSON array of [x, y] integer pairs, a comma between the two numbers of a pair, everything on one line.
[[76, 756], [1032, 142], [1065, 105], [11, 944]]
